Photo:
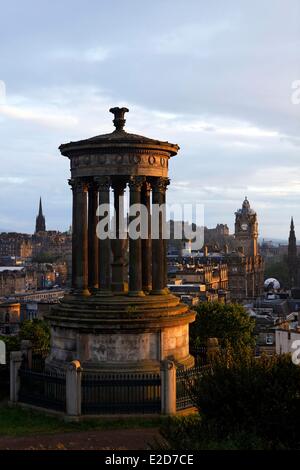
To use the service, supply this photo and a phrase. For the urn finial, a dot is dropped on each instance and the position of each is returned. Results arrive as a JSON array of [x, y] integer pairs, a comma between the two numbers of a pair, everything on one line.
[[119, 121]]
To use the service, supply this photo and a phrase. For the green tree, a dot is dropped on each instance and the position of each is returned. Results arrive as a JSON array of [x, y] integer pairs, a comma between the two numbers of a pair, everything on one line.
[[37, 331], [230, 323]]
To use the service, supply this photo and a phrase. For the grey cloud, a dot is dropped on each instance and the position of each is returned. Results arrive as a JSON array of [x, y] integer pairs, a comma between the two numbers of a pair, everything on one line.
[[217, 63]]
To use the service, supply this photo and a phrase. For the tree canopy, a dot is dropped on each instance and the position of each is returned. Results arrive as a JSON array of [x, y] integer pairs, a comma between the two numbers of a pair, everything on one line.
[[230, 323], [37, 331]]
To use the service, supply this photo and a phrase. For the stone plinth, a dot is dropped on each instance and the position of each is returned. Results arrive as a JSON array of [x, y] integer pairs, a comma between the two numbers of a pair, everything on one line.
[[120, 333]]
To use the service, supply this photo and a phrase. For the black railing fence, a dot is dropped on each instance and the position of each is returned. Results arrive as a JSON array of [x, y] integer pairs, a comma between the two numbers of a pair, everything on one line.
[[105, 393], [44, 389], [200, 355], [120, 393], [35, 360], [38, 359], [185, 380]]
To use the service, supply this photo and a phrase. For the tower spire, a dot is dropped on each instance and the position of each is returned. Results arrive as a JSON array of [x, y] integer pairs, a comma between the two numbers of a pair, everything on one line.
[[292, 256], [40, 224], [40, 207], [292, 225]]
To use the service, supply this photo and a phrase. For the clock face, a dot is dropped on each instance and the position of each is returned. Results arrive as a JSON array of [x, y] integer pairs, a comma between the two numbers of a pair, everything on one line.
[[244, 227]]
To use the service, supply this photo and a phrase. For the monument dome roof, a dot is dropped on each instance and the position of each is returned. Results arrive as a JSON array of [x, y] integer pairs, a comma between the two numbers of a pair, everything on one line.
[[119, 138]]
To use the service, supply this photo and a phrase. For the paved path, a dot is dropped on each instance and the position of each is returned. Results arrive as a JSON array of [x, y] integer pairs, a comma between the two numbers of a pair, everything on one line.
[[117, 439]]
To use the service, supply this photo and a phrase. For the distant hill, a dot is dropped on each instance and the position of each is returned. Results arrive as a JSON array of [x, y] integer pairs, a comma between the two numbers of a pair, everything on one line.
[[276, 241]]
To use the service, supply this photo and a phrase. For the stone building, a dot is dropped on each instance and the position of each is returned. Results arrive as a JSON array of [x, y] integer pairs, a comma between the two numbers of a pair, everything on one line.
[[50, 274], [216, 238], [53, 244], [15, 245], [245, 264], [9, 317], [207, 278], [240, 271], [14, 280]]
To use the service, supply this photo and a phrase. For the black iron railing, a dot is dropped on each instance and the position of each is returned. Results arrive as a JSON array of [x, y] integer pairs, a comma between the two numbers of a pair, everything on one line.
[[38, 359], [200, 355], [120, 393], [44, 389], [185, 380]]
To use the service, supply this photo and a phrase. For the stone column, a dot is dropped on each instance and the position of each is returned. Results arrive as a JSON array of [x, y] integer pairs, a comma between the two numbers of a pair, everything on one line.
[[135, 242], [165, 241], [119, 242], [16, 358], [73, 389], [158, 245], [168, 387], [80, 238], [74, 242], [2, 352], [146, 242], [92, 237], [104, 271]]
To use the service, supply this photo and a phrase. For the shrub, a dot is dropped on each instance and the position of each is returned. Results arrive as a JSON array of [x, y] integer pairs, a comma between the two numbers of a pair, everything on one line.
[[258, 396]]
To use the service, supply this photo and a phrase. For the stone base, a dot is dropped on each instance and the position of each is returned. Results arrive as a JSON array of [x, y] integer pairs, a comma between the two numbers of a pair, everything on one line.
[[120, 333]]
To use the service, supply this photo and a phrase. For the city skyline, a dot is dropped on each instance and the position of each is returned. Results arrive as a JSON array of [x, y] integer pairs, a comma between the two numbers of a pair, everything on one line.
[[218, 82], [231, 226]]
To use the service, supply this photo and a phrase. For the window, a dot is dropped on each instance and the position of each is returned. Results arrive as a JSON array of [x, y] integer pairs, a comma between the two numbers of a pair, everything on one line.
[[269, 338]]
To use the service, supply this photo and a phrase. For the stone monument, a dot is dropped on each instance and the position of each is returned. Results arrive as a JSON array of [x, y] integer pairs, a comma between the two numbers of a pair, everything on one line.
[[119, 316]]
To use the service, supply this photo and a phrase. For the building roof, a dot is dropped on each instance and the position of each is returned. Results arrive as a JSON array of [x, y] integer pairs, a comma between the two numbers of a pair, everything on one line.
[[246, 209], [11, 268]]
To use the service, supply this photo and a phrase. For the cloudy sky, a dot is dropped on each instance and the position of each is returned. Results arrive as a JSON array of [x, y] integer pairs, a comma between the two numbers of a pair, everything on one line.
[[215, 77]]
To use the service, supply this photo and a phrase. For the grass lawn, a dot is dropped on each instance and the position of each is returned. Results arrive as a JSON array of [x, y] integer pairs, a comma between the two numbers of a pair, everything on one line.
[[17, 422]]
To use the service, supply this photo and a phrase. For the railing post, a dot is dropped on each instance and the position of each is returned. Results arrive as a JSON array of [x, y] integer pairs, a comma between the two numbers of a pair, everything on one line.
[[73, 389], [16, 358], [26, 350], [168, 387], [213, 349]]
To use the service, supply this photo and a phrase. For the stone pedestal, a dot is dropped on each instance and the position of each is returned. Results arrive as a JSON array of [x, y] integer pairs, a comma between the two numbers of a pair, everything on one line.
[[73, 389], [119, 333], [16, 358], [168, 388]]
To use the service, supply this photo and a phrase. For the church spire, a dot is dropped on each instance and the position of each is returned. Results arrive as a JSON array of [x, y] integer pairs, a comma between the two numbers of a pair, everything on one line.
[[292, 256], [40, 224], [292, 236], [292, 225], [40, 207]]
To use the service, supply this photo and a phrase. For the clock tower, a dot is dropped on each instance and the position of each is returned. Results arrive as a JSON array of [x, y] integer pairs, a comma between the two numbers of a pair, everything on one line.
[[246, 229]]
